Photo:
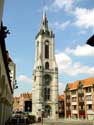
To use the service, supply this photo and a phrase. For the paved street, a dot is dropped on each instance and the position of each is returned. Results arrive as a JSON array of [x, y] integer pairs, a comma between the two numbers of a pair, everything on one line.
[[66, 122]]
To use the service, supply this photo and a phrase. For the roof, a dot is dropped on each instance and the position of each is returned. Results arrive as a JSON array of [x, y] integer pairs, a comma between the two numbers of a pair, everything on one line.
[[86, 82], [73, 85], [25, 95], [61, 97]]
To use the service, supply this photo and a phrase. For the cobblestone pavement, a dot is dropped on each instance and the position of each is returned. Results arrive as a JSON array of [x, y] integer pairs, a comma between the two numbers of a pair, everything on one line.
[[66, 122]]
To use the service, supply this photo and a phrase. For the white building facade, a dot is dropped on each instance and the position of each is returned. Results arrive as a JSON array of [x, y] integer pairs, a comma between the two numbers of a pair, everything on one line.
[[45, 74]]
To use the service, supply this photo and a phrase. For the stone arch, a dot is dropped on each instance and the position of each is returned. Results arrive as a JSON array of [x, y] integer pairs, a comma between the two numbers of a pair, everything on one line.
[[47, 65], [48, 111]]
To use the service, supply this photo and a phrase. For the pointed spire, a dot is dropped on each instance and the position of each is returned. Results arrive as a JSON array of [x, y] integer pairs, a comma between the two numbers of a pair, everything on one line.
[[44, 24]]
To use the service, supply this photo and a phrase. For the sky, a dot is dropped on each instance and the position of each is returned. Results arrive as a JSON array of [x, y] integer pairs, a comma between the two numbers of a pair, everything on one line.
[[72, 21]]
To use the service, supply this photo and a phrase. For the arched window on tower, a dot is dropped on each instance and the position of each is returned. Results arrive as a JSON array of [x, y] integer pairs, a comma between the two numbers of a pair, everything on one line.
[[46, 93], [46, 65], [47, 49]]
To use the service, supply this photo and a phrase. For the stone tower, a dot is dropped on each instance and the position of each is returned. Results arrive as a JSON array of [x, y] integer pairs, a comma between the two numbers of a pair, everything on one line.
[[45, 74]]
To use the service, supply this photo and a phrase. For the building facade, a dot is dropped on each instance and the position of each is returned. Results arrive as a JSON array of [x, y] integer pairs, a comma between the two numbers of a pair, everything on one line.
[[79, 99], [23, 103], [45, 74], [61, 108], [6, 90], [12, 71]]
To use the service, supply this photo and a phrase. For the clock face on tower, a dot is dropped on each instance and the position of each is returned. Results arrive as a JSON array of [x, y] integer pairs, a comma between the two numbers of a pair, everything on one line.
[[47, 79]]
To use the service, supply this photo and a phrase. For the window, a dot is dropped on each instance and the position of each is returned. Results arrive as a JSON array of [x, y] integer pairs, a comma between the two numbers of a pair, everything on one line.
[[46, 65], [47, 79], [88, 98], [46, 94], [73, 99], [47, 49], [81, 107], [74, 107], [89, 107], [73, 92], [88, 89], [34, 78]]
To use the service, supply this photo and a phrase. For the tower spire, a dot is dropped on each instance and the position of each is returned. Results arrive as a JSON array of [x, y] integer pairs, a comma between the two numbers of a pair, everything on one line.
[[44, 24]]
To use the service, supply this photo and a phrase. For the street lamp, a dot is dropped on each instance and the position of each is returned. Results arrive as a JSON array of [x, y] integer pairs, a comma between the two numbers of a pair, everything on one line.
[[15, 86]]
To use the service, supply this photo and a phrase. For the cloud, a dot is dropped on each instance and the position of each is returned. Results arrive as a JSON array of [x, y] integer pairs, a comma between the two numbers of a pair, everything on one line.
[[66, 4], [61, 26], [84, 50], [67, 66], [84, 18], [61, 88], [24, 79], [63, 60]]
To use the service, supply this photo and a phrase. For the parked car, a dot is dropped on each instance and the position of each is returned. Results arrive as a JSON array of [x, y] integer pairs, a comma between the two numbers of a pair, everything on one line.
[[30, 119]]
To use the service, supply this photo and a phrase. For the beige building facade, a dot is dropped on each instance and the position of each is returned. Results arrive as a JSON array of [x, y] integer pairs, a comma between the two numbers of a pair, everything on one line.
[[79, 99], [45, 74], [6, 90], [12, 71]]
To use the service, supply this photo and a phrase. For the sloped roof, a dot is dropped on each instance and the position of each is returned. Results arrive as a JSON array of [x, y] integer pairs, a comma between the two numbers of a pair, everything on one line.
[[86, 82], [61, 97]]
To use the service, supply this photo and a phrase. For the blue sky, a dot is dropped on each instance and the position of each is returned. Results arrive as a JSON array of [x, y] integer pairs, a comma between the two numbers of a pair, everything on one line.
[[72, 22]]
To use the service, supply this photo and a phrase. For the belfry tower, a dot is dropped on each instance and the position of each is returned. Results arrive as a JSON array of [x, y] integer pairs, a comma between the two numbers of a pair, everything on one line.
[[45, 74]]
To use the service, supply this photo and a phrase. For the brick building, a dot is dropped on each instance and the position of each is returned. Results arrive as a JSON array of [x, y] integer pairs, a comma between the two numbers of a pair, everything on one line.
[[23, 103], [61, 110], [79, 99]]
